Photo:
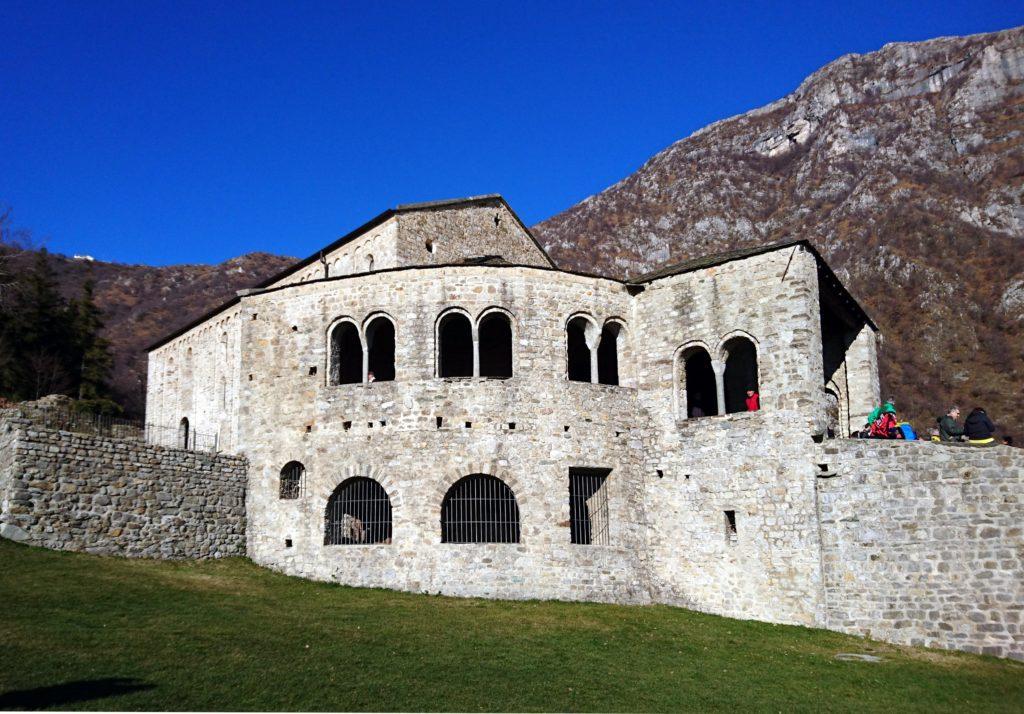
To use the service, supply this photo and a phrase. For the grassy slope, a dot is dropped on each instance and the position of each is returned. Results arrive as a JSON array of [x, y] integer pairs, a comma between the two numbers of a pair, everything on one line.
[[229, 635]]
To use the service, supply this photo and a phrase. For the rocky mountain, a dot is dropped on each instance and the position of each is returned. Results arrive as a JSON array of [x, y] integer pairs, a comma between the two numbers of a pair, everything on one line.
[[904, 166], [141, 304]]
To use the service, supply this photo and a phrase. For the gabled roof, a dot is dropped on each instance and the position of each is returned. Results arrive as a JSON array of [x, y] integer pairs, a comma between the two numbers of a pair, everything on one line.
[[493, 199], [826, 274]]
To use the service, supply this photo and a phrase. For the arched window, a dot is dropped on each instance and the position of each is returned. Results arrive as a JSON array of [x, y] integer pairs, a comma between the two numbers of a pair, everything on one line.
[[183, 433], [495, 335], [455, 346], [291, 480], [380, 345], [358, 513], [479, 509], [346, 354], [578, 349], [698, 389], [740, 373], [369, 262], [608, 354]]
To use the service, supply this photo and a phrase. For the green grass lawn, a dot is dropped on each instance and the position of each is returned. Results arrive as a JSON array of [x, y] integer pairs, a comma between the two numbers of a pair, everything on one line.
[[106, 633]]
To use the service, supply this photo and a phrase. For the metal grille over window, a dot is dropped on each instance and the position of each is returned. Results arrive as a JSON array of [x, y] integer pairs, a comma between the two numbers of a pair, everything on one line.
[[588, 506], [291, 480], [358, 513], [480, 509]]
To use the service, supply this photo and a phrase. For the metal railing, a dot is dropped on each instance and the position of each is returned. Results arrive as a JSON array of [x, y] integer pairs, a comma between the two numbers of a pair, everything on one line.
[[120, 428]]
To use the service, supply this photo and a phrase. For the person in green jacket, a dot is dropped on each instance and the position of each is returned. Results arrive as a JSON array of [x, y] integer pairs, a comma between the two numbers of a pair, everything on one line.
[[949, 429]]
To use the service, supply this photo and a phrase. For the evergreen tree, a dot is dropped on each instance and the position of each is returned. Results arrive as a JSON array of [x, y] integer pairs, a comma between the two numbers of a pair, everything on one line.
[[93, 355]]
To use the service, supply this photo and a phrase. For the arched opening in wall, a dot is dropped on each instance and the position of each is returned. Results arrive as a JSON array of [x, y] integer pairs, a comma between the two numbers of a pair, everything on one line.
[[291, 481], [183, 433], [358, 513], [698, 384], [578, 352], [608, 354], [346, 354], [369, 262], [479, 509], [495, 335], [833, 412], [740, 373], [380, 345], [455, 346]]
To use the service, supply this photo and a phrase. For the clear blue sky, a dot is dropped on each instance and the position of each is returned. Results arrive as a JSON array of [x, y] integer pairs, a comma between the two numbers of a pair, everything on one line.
[[168, 132]]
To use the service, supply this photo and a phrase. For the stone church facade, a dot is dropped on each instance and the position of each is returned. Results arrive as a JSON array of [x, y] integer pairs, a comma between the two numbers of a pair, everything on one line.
[[429, 404]]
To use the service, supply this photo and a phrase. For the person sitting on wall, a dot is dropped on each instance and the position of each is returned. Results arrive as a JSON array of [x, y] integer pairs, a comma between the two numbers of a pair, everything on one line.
[[978, 428], [884, 427], [949, 429], [753, 400], [370, 377]]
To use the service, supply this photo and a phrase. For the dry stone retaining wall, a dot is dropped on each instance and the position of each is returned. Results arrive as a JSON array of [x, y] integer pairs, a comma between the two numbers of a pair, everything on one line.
[[922, 544], [79, 492]]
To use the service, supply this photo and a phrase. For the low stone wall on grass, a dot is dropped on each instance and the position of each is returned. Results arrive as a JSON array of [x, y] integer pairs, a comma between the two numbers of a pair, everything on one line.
[[923, 544], [71, 491]]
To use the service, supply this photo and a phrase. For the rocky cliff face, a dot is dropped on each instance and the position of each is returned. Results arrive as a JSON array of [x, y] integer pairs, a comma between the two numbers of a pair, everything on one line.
[[904, 166]]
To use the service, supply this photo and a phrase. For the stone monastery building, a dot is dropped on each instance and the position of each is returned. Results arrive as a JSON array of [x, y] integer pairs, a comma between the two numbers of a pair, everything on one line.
[[430, 404]]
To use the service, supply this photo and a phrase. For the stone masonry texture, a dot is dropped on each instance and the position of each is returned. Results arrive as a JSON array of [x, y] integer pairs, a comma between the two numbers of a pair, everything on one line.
[[69, 491], [770, 514]]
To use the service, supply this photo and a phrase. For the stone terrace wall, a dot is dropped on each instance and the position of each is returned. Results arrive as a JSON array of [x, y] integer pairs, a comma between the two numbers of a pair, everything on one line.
[[79, 492], [922, 544]]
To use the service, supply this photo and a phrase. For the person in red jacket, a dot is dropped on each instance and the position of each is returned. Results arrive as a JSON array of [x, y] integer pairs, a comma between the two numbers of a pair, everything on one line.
[[753, 401]]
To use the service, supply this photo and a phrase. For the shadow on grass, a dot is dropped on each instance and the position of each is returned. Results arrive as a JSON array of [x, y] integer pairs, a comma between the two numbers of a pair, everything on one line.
[[70, 692]]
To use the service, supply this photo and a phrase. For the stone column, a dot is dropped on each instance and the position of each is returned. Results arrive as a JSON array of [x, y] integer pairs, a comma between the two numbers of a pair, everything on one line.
[[719, 367], [592, 336]]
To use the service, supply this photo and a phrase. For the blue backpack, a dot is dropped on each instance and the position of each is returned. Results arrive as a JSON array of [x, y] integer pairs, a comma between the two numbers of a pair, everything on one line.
[[908, 432]]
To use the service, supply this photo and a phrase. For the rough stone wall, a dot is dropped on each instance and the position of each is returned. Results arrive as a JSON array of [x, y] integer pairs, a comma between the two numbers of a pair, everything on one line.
[[393, 437], [455, 234], [196, 377], [757, 465], [116, 497], [922, 544]]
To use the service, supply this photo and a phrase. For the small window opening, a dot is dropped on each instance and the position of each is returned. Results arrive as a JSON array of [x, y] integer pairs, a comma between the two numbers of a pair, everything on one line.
[[817, 438], [823, 468], [380, 342], [661, 474], [577, 349], [608, 354], [699, 384], [295, 328], [687, 477], [512, 426], [430, 246], [309, 428], [565, 428], [250, 377], [740, 373], [469, 425], [346, 425], [383, 422], [291, 480], [439, 421], [369, 425], [287, 542], [588, 506], [480, 509], [346, 354], [254, 316], [358, 513], [455, 346], [495, 345], [312, 371], [731, 536], [184, 433]]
